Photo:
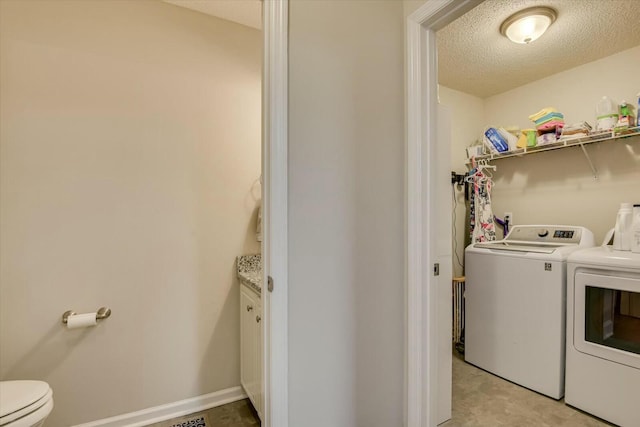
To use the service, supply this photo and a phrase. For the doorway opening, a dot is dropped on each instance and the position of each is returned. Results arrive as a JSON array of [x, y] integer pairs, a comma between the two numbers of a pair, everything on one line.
[[428, 191]]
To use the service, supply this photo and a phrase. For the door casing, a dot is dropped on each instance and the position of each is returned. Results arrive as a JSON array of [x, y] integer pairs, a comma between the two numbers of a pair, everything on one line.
[[423, 194], [275, 21]]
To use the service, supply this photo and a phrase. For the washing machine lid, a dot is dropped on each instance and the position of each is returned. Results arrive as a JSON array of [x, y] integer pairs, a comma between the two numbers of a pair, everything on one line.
[[18, 398]]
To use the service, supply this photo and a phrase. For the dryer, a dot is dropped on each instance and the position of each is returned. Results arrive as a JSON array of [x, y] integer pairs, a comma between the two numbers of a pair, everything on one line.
[[603, 334], [515, 304]]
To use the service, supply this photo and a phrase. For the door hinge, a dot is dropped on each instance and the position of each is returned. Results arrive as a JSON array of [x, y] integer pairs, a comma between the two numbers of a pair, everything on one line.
[[269, 283], [436, 269]]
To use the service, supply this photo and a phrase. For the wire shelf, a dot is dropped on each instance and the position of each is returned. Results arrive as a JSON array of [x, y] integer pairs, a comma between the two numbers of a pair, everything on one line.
[[580, 141]]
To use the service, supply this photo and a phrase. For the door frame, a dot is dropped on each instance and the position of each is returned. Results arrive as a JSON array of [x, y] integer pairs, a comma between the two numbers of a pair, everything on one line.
[[275, 21], [421, 369]]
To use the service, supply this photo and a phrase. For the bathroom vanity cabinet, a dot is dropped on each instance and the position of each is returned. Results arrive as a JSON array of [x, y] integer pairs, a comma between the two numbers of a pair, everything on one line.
[[251, 346], [251, 337]]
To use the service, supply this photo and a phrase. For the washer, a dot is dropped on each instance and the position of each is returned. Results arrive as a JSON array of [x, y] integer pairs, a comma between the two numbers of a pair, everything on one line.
[[515, 304], [603, 334]]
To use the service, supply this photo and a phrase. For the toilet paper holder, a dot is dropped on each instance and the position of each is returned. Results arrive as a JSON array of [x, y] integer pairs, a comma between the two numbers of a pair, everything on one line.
[[103, 313]]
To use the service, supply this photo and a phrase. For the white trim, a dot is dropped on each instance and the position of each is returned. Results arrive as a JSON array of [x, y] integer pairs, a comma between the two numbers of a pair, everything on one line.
[[421, 188], [275, 244], [414, 231], [171, 410]]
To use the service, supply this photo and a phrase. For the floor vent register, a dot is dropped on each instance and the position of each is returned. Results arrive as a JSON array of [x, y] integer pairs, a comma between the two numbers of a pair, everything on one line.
[[197, 420]]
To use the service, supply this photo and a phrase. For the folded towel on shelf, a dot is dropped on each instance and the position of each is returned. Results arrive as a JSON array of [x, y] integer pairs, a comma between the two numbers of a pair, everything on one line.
[[580, 125], [549, 126], [542, 113], [546, 138], [549, 117], [575, 130], [573, 134]]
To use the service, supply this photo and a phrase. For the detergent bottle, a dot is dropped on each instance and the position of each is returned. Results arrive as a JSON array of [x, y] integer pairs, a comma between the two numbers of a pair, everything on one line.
[[625, 117], [606, 114], [622, 238], [638, 111], [635, 229]]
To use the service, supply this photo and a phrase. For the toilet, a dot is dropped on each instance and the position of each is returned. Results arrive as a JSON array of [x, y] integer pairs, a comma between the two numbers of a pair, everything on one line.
[[24, 403]]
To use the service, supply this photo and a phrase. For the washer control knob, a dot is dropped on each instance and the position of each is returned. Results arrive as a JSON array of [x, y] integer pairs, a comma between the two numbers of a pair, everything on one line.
[[543, 233]]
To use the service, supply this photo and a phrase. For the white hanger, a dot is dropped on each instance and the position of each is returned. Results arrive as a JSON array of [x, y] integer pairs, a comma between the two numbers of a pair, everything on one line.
[[482, 168], [485, 172]]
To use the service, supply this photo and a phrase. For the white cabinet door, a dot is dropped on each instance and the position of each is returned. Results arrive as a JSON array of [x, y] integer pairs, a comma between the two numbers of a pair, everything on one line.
[[258, 361], [251, 345], [248, 343]]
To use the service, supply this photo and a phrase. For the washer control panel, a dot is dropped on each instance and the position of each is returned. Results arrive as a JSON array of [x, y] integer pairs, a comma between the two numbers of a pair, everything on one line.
[[545, 233]]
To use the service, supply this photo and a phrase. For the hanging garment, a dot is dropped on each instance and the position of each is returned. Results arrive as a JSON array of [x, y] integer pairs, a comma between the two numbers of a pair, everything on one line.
[[483, 227]]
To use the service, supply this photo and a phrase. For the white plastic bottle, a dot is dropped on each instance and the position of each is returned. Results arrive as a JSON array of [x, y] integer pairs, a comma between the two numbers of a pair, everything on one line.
[[623, 231], [638, 111], [635, 230], [606, 114]]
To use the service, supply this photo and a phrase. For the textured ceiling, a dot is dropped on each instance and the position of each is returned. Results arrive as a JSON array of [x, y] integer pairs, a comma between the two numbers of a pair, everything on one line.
[[473, 56], [245, 12]]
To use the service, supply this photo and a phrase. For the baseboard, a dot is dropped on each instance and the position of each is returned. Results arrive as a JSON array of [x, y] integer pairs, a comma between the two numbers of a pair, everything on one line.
[[171, 410]]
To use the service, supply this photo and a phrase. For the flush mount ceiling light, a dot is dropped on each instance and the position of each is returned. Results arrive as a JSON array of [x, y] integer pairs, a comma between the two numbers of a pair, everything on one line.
[[528, 24]]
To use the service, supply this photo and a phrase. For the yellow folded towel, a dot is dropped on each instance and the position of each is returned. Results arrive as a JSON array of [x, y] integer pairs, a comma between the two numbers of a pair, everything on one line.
[[542, 113]]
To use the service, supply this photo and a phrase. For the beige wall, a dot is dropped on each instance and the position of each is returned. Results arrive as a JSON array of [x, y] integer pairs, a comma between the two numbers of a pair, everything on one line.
[[467, 125], [411, 6], [130, 141], [346, 204], [557, 187]]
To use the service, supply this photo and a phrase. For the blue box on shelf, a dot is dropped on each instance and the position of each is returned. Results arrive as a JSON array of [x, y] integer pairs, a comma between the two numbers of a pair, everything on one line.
[[497, 140]]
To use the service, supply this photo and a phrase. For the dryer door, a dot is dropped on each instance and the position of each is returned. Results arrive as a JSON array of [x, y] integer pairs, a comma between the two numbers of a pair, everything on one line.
[[607, 317]]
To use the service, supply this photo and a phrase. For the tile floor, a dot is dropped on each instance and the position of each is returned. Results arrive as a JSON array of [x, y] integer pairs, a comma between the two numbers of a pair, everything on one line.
[[481, 399], [236, 414]]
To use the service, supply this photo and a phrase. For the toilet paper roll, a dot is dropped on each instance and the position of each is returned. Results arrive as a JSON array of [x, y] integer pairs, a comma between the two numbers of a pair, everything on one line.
[[82, 320]]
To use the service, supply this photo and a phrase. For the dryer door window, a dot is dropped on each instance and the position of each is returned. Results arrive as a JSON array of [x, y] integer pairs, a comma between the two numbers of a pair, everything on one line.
[[612, 318], [607, 317]]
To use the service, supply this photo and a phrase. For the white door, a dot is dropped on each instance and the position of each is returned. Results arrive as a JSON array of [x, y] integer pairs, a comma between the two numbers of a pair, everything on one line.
[[444, 254]]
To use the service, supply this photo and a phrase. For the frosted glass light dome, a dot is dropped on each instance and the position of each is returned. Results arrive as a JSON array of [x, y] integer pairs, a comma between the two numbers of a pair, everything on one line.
[[528, 25]]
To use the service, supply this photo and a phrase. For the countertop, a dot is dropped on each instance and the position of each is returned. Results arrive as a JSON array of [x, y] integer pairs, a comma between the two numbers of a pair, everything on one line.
[[249, 270]]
